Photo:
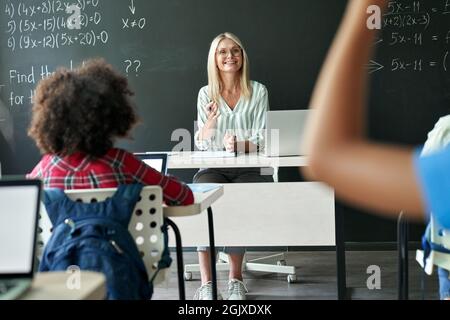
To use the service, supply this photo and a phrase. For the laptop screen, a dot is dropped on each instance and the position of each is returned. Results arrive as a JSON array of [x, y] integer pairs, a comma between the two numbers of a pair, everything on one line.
[[18, 221], [284, 132], [157, 161]]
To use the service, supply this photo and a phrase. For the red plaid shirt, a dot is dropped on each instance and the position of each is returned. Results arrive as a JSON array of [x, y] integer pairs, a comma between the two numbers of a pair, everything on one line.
[[79, 171]]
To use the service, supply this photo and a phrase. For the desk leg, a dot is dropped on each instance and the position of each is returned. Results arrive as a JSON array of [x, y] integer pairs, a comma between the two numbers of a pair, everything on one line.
[[212, 252], [180, 264], [340, 257]]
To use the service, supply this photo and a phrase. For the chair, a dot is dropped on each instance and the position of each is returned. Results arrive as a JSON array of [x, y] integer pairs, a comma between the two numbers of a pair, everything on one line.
[[145, 227]]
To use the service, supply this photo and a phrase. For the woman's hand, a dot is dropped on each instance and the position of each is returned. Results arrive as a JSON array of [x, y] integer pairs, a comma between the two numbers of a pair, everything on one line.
[[212, 111], [229, 142]]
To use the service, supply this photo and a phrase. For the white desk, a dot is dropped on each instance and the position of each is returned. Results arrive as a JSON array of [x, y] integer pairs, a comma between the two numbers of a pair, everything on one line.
[[262, 214], [184, 160], [53, 286], [201, 203], [274, 214]]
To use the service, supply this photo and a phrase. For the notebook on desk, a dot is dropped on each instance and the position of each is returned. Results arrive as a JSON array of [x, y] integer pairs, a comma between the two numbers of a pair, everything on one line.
[[19, 212]]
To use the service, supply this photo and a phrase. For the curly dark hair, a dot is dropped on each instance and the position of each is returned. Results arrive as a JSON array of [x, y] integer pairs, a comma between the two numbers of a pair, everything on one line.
[[82, 110]]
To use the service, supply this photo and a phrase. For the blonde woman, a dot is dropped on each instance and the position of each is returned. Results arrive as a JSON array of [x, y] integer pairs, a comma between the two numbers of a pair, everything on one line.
[[231, 116]]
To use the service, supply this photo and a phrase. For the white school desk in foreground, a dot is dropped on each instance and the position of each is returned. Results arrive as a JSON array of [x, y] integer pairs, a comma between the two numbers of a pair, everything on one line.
[[267, 214]]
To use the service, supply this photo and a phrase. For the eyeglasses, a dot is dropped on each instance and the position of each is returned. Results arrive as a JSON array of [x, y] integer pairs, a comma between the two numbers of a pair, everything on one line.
[[234, 52]]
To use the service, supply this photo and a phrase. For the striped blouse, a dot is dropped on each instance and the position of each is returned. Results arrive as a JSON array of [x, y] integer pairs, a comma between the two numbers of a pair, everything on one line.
[[247, 120]]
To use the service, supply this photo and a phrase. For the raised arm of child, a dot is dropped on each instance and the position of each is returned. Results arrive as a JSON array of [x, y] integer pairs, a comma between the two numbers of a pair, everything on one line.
[[375, 176]]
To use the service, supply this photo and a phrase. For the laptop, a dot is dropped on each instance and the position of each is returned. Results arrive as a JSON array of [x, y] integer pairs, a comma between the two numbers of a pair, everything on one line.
[[157, 161], [284, 132], [19, 213]]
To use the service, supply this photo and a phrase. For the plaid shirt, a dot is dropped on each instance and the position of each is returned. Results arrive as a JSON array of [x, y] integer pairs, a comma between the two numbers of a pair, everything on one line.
[[80, 171]]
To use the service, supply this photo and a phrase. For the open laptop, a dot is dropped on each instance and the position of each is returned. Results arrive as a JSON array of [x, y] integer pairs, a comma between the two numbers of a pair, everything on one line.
[[157, 161], [19, 212], [284, 132]]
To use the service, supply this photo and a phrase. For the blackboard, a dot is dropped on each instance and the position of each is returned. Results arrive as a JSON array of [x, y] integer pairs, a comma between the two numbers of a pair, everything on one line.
[[409, 89], [162, 46], [411, 72]]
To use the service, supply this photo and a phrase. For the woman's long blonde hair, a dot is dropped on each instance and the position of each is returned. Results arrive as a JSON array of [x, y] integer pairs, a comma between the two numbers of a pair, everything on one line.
[[214, 83]]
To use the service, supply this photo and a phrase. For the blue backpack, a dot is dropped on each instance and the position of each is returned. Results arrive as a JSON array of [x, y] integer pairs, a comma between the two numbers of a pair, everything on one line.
[[95, 237]]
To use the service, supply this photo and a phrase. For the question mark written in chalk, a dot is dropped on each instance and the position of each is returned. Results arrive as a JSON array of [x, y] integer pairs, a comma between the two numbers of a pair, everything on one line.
[[136, 65], [138, 62]]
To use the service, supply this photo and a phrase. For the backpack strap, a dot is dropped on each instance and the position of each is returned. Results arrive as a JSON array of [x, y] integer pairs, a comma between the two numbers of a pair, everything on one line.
[[166, 260], [129, 192], [53, 198], [428, 246], [439, 248], [53, 194], [119, 207], [124, 200]]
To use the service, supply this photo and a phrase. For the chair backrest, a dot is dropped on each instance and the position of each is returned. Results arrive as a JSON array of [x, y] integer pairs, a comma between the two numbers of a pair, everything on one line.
[[145, 224]]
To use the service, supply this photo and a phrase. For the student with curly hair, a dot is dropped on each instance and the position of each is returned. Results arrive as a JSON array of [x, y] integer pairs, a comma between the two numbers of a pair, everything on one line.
[[77, 116]]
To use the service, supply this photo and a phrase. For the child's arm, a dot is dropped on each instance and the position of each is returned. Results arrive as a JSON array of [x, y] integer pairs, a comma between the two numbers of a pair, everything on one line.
[[375, 176], [174, 191]]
